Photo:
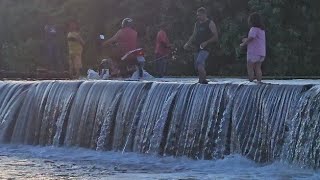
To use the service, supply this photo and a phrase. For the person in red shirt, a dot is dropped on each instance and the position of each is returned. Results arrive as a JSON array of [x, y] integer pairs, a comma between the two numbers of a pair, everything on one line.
[[126, 38], [162, 51]]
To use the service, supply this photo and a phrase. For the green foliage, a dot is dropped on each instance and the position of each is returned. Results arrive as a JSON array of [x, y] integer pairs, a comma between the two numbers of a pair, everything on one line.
[[24, 56], [292, 26]]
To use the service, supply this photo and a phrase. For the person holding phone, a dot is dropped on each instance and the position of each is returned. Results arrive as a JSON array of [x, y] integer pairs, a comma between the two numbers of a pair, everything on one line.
[[126, 38]]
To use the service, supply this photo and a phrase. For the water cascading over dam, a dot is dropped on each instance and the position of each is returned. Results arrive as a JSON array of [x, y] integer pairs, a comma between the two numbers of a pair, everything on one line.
[[265, 123]]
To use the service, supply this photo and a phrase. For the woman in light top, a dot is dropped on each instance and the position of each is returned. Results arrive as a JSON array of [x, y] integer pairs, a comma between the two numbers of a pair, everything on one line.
[[256, 50], [75, 44]]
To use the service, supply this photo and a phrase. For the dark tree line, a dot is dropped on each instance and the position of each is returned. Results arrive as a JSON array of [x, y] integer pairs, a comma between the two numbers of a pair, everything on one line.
[[292, 27]]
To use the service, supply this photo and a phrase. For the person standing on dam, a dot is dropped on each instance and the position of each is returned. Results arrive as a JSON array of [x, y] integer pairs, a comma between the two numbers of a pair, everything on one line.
[[163, 50], [256, 47], [204, 35], [52, 50], [75, 44]]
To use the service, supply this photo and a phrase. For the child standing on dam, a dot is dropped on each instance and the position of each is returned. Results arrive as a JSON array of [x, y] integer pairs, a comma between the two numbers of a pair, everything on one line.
[[256, 47]]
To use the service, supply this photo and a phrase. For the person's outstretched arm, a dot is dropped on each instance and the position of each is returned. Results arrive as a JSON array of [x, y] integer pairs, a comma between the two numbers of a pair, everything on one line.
[[112, 40], [191, 39]]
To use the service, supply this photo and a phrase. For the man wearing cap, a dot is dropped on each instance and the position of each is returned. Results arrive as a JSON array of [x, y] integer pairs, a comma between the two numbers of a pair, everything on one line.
[[126, 37], [126, 40], [204, 35]]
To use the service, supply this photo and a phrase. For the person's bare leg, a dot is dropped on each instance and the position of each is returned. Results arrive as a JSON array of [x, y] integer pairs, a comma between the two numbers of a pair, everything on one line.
[[71, 67], [202, 73], [77, 66], [201, 60], [258, 71], [250, 69]]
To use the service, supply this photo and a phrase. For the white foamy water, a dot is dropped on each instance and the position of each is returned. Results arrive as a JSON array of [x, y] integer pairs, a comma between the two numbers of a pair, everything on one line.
[[28, 162]]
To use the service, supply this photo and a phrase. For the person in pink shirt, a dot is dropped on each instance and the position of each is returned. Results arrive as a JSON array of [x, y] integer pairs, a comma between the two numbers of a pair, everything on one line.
[[162, 50], [256, 47]]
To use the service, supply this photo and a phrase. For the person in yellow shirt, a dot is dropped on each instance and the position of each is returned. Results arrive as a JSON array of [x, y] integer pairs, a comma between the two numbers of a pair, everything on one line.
[[75, 44]]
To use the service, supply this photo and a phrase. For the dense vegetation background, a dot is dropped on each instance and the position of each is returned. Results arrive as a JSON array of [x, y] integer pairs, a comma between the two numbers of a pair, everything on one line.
[[293, 28]]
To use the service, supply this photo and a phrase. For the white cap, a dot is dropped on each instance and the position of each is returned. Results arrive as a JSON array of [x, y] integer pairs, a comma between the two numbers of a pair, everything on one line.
[[125, 21]]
